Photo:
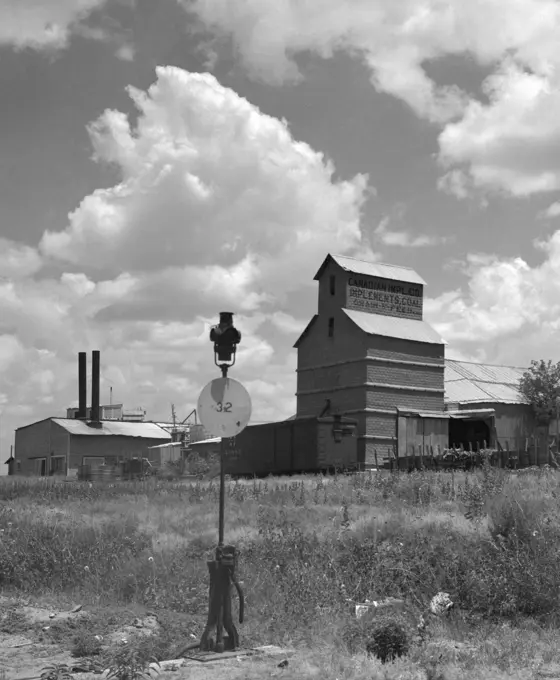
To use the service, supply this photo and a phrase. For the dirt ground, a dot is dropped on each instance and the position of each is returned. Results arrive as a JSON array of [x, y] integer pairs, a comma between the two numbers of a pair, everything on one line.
[[33, 637]]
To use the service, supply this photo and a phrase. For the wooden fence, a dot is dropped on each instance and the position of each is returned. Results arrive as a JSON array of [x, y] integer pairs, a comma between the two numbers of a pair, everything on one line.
[[535, 453]]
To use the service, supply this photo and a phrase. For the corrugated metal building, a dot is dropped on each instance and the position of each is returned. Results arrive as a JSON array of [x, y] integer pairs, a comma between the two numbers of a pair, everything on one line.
[[206, 447], [368, 354], [485, 404], [55, 445], [162, 454]]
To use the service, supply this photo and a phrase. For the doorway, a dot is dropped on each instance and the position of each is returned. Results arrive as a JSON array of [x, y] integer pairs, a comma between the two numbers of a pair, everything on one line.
[[469, 433]]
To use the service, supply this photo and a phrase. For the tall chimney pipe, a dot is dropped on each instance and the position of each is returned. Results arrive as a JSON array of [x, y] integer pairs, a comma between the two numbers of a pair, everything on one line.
[[95, 383], [82, 385]]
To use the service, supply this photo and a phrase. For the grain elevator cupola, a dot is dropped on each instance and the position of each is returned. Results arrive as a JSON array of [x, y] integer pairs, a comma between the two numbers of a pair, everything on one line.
[[369, 352]]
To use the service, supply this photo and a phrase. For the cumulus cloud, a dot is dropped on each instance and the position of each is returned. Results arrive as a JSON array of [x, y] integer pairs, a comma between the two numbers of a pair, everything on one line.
[[217, 208], [403, 238], [238, 205], [551, 212], [42, 24], [508, 313], [506, 143], [102, 27], [18, 260], [510, 145]]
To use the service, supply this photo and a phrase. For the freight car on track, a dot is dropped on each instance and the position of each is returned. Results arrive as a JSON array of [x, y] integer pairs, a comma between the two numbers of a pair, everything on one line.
[[302, 445]]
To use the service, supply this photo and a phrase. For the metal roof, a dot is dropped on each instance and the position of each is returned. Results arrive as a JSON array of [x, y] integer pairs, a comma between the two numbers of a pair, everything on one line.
[[212, 440], [395, 327], [167, 445], [113, 427], [378, 269], [508, 375], [467, 382]]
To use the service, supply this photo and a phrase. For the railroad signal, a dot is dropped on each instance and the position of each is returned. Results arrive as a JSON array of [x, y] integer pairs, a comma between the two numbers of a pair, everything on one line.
[[225, 338], [224, 408]]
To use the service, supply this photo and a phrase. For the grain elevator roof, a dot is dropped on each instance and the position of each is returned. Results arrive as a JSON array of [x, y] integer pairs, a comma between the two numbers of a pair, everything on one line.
[[395, 327], [382, 271]]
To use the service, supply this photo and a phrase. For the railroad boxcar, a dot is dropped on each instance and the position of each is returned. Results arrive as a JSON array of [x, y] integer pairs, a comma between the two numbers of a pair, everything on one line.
[[307, 444]]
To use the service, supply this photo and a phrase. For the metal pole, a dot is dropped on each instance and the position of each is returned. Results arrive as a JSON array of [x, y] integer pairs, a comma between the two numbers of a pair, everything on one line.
[[224, 368], [222, 496], [557, 425]]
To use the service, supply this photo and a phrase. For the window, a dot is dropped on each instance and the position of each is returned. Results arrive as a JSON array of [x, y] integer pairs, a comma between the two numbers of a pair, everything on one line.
[[333, 284], [41, 467], [58, 465], [331, 327], [93, 461]]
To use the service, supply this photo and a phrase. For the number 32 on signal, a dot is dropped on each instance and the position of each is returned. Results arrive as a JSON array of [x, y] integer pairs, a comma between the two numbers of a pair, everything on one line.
[[223, 407]]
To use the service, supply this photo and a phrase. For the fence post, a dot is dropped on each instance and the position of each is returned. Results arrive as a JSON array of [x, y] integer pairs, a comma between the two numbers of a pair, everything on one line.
[[376, 463]]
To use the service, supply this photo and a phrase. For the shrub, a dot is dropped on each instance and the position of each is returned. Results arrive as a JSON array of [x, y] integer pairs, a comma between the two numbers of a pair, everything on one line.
[[84, 645], [385, 636], [130, 664], [388, 640]]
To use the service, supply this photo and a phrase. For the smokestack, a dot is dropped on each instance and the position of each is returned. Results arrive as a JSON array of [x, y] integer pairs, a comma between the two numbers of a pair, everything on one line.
[[95, 380], [82, 385]]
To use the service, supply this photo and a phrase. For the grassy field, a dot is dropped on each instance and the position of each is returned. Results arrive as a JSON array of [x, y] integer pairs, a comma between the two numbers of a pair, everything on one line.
[[309, 546]]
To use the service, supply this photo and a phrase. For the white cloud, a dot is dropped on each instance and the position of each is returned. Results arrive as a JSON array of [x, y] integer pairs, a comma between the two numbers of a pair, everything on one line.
[[18, 260], [126, 52], [509, 311], [507, 144], [222, 183], [106, 29], [456, 183], [42, 24], [405, 239], [217, 208], [551, 212], [286, 323], [510, 145]]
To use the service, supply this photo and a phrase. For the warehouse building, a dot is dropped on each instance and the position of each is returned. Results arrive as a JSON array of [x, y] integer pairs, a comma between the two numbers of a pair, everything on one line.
[[59, 446]]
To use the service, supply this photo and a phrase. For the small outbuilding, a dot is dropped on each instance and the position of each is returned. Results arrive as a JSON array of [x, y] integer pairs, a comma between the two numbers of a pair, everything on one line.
[[206, 447], [169, 453], [485, 405], [11, 463]]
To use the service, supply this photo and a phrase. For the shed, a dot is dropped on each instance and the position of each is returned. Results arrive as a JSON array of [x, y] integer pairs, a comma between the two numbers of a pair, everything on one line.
[[162, 454], [59, 446], [485, 404], [11, 463], [206, 447]]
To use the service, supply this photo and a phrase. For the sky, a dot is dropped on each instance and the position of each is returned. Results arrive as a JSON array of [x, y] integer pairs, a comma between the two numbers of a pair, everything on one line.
[[165, 160]]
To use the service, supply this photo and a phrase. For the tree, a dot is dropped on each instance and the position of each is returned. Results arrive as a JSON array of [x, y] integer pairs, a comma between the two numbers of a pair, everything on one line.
[[540, 385]]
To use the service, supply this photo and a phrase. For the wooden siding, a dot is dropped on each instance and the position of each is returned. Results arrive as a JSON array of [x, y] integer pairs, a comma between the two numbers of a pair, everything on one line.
[[513, 422], [415, 434]]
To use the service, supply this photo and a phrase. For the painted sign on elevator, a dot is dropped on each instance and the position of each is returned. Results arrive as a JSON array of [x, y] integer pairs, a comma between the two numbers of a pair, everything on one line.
[[383, 296]]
